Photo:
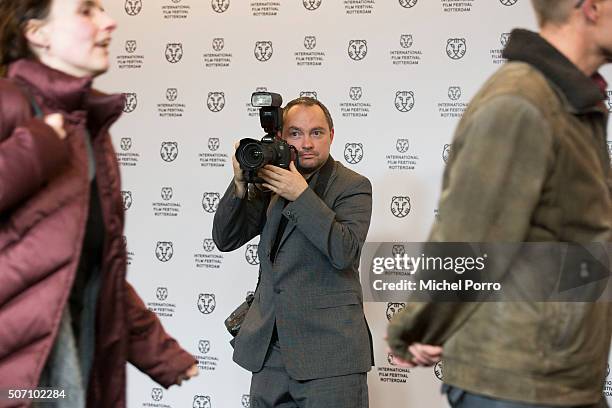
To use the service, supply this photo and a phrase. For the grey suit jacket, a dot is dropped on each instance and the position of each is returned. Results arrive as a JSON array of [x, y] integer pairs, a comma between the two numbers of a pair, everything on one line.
[[312, 289]]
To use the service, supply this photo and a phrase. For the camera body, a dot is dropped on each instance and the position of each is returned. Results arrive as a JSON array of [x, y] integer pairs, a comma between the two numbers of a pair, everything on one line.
[[253, 154]]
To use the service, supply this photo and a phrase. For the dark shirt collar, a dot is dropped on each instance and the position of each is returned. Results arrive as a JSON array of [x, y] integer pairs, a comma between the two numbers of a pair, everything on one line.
[[65, 93], [582, 93]]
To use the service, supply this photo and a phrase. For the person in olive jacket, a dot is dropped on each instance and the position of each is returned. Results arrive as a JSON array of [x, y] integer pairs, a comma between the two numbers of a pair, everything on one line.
[[529, 163], [68, 318]]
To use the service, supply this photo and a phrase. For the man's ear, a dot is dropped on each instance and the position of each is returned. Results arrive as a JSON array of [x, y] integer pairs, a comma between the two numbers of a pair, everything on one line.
[[591, 8], [331, 135], [36, 33]]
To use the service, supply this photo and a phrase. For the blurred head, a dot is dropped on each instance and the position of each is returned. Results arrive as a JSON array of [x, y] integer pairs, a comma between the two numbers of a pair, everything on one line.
[[308, 126], [71, 36], [553, 11], [590, 20]]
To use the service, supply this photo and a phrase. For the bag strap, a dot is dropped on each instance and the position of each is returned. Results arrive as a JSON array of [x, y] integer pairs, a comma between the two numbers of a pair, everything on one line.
[[38, 113]]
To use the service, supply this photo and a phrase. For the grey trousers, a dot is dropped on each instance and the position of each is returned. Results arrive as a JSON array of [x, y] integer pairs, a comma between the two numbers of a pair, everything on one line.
[[458, 398], [272, 387]]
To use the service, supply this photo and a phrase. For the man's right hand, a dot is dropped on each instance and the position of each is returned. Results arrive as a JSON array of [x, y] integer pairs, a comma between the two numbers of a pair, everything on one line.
[[239, 181], [56, 122]]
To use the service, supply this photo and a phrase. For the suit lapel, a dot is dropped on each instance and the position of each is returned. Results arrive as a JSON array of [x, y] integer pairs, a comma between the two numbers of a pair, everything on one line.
[[278, 207]]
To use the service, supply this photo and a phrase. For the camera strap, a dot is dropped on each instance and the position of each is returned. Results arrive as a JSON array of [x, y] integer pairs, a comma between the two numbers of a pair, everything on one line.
[[320, 185]]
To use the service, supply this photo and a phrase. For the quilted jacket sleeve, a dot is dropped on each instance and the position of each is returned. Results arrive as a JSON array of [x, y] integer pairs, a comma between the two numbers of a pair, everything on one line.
[[30, 150], [151, 349]]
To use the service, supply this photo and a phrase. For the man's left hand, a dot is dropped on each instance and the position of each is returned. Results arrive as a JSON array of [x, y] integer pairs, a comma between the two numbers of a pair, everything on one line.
[[288, 184]]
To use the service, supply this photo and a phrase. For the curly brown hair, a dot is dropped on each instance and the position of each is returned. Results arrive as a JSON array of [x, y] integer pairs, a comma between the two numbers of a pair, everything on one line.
[[14, 14]]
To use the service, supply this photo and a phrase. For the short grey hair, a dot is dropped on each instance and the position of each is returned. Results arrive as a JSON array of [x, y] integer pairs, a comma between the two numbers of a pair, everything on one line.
[[553, 11]]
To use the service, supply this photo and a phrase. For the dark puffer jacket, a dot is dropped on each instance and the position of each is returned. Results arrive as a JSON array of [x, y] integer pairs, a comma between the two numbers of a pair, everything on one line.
[[44, 200]]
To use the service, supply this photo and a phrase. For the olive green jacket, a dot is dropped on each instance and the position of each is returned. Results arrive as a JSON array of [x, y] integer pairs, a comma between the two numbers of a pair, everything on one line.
[[529, 162]]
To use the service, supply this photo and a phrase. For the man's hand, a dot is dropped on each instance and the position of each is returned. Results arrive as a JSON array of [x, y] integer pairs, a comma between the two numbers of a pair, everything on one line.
[[191, 372], [239, 180], [423, 355], [288, 184]]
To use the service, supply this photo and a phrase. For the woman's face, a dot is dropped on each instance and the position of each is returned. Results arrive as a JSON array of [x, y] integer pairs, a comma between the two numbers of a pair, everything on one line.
[[76, 36]]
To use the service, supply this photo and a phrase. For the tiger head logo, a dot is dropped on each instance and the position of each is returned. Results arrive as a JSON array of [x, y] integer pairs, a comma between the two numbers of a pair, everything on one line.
[[404, 101], [218, 44], [126, 196], [169, 151], [156, 394], [355, 93], [311, 5], [174, 52], [161, 294], [130, 102], [310, 42], [408, 3], [402, 145], [263, 51], [166, 193], [220, 6], [171, 94], [246, 401], [133, 7], [609, 100], [164, 251], [126, 143], [206, 303], [215, 101], [210, 202], [398, 249], [406, 40], [209, 245], [446, 151], [201, 401], [130, 46], [503, 39], [213, 144], [251, 254], [353, 152], [393, 309], [357, 49], [454, 93], [456, 48], [391, 359], [439, 370], [204, 346], [400, 206], [308, 94]]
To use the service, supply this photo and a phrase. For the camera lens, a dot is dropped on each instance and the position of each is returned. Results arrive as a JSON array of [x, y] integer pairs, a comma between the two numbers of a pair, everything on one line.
[[251, 155]]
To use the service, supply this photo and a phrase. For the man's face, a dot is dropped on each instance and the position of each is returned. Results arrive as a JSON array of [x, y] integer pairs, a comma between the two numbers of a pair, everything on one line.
[[601, 12], [307, 130]]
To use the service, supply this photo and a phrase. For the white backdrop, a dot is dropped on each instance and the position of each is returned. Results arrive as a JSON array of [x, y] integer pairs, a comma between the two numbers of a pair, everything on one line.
[[396, 76]]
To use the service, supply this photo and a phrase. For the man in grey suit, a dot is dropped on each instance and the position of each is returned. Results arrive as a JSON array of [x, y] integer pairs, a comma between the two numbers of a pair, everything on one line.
[[305, 337]]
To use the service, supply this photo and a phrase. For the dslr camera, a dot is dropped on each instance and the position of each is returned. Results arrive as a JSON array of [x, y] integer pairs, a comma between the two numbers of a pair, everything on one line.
[[253, 154]]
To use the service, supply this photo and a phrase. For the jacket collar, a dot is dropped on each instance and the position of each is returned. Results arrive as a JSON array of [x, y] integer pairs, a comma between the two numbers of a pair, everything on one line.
[[582, 93], [66, 93]]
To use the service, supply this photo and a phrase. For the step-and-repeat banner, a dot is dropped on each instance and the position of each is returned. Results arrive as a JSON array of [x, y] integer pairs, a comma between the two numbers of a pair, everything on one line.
[[396, 76]]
